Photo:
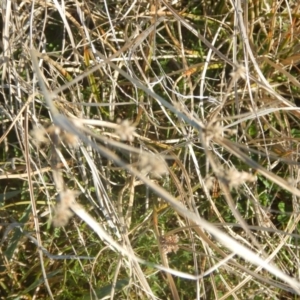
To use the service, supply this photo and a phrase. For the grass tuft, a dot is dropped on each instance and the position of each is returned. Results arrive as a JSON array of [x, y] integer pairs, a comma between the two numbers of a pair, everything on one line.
[[149, 150]]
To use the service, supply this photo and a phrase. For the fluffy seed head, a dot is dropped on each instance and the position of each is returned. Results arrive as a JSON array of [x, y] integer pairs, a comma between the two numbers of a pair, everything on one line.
[[62, 210], [152, 164], [125, 130]]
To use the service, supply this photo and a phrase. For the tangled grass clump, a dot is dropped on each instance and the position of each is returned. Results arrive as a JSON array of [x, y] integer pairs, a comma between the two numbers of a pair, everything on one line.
[[149, 150]]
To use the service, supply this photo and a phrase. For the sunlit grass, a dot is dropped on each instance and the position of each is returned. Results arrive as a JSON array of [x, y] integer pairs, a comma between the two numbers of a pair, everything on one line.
[[126, 127]]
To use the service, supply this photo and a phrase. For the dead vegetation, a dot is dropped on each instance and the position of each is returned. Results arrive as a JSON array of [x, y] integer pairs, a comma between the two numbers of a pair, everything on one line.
[[149, 150]]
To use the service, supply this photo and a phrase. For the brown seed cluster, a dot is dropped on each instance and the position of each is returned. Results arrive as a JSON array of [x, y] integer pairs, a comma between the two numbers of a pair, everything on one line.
[[169, 243]]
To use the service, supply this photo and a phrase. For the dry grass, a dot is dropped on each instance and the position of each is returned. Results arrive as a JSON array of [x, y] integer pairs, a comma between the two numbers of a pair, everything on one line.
[[149, 150]]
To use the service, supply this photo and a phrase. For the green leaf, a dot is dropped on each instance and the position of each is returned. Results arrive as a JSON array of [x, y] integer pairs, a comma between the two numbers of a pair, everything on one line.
[[106, 290]]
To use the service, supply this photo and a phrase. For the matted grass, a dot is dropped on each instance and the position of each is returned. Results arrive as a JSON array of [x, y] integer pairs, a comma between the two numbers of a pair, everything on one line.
[[149, 149]]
